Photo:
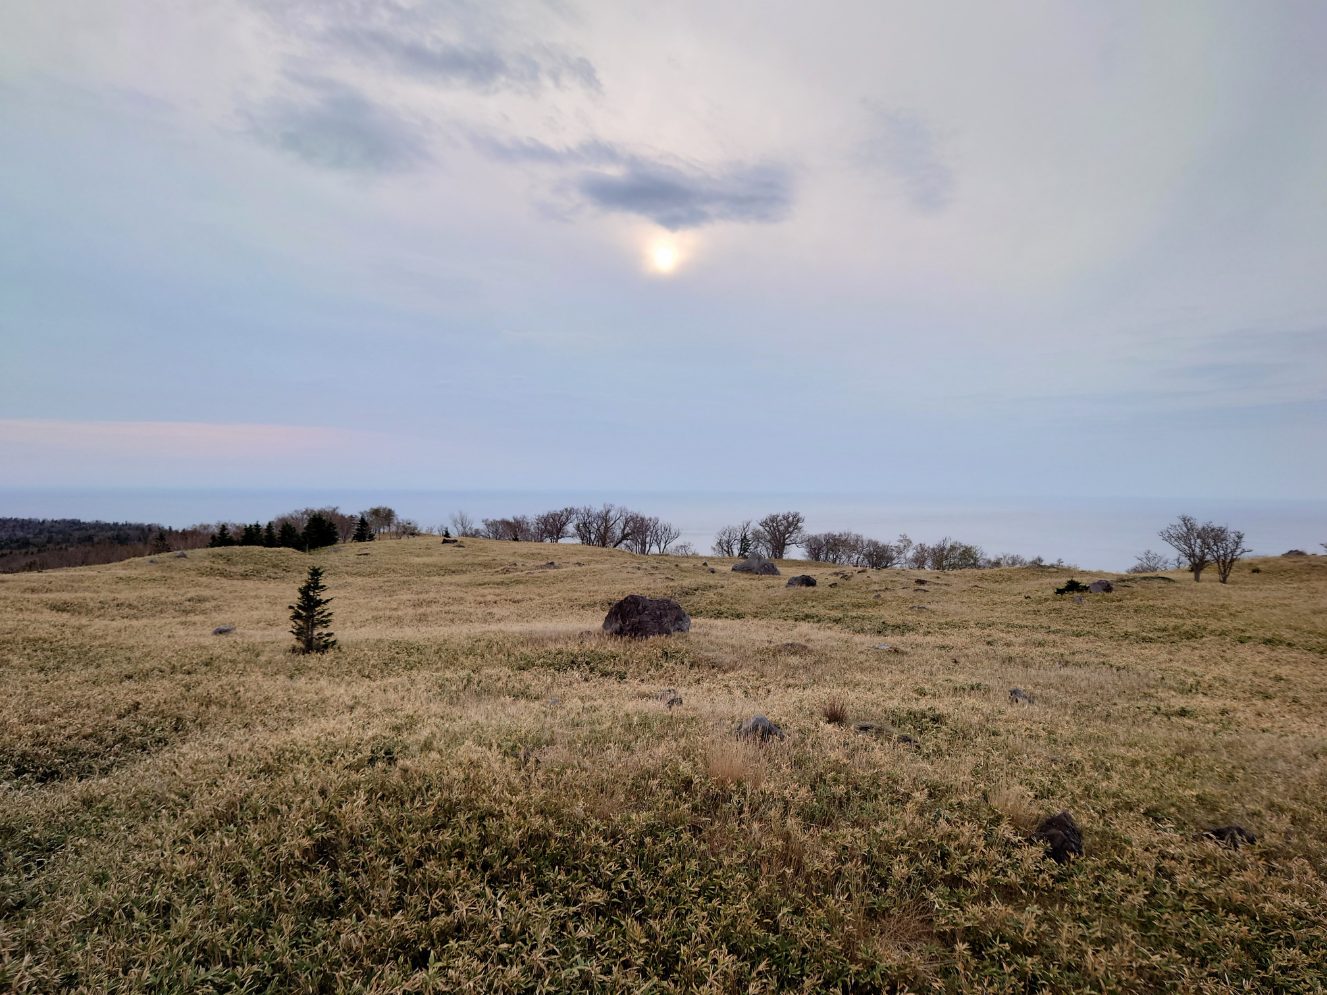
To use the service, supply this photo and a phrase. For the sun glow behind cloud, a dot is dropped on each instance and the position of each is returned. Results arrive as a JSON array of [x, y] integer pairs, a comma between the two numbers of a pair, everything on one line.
[[664, 253]]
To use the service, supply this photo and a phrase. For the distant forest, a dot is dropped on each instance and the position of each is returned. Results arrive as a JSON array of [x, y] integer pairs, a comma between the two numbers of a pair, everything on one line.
[[49, 543]]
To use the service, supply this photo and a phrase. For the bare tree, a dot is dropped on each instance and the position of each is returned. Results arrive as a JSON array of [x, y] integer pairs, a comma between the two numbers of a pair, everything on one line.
[[684, 549], [1226, 547], [1192, 541], [607, 526], [1150, 562], [878, 555], [380, 519], [781, 530], [515, 529], [554, 526], [463, 525], [663, 534], [733, 540]]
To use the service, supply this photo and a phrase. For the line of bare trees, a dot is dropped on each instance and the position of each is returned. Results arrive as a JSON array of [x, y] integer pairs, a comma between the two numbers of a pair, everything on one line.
[[609, 526], [772, 536]]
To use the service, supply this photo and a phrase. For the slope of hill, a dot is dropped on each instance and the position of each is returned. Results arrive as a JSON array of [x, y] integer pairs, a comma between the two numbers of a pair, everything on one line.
[[480, 791]]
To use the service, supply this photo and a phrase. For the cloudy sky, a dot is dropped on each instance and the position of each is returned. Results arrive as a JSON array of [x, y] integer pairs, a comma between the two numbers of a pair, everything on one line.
[[990, 249]]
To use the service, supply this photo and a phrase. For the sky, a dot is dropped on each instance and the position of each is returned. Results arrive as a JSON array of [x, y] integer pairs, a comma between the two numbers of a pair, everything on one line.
[[965, 249]]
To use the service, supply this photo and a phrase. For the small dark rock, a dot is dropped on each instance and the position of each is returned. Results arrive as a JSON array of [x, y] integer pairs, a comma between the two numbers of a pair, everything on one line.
[[795, 648], [713, 571], [1101, 587], [1061, 836], [1231, 836], [920, 582], [833, 583], [550, 565], [756, 565], [759, 728], [223, 630], [639, 617], [865, 728], [1017, 696], [181, 555], [801, 580], [876, 596], [150, 560], [1256, 570], [903, 739]]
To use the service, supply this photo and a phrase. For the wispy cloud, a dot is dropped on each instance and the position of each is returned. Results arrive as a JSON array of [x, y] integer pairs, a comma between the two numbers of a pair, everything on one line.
[[485, 68], [335, 126], [906, 147], [676, 197]]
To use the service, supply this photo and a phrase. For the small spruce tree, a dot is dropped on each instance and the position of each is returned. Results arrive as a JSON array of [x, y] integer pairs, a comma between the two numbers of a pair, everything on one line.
[[269, 536], [363, 531], [222, 537], [160, 544], [310, 616]]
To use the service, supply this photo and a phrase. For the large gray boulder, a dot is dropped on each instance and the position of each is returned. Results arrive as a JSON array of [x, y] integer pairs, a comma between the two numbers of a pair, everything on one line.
[[760, 729], [802, 580], [639, 617], [756, 565], [1101, 587]]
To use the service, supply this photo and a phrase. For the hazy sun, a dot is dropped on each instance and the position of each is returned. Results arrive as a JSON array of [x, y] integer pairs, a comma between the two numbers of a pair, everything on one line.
[[662, 256], [665, 258]]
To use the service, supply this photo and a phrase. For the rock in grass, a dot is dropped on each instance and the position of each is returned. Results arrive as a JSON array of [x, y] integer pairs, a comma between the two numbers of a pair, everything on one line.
[[639, 617], [223, 630], [756, 565], [1101, 587], [669, 698], [1231, 836], [759, 728], [1061, 836], [1017, 696], [801, 580], [181, 555]]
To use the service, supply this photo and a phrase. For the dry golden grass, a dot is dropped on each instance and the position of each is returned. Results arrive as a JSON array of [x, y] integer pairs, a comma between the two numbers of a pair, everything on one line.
[[478, 791]]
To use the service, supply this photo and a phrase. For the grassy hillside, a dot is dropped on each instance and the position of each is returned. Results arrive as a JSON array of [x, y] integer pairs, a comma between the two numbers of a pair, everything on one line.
[[479, 791]]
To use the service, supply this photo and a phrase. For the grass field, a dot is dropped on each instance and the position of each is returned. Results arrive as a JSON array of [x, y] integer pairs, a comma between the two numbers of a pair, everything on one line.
[[478, 791]]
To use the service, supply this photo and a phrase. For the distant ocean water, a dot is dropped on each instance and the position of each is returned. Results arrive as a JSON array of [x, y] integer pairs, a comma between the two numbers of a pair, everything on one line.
[[1093, 533]]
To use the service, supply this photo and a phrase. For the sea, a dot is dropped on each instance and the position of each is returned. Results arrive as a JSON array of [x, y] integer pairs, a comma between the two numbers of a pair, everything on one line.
[[1093, 533]]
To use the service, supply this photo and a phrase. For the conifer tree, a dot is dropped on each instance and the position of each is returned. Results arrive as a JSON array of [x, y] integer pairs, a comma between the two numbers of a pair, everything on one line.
[[160, 544], [289, 537], [320, 532], [363, 531], [269, 536], [310, 616], [222, 537]]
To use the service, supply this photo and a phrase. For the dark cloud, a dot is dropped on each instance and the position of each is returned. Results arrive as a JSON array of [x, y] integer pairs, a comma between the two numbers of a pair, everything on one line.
[[477, 66], [676, 197], [338, 128], [906, 147]]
